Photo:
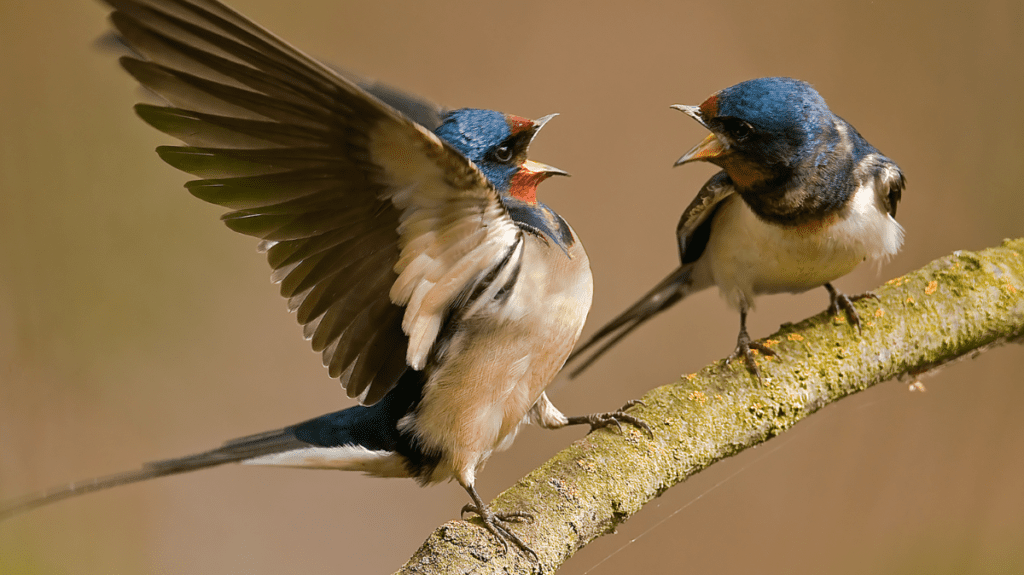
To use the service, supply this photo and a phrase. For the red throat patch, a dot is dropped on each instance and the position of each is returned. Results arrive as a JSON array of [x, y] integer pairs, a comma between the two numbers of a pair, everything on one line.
[[523, 186]]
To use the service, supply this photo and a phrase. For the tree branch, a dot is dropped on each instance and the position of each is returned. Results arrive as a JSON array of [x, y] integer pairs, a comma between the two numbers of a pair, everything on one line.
[[954, 307]]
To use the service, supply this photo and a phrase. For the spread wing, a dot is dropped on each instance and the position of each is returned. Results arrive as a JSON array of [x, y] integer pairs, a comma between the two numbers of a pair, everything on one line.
[[373, 225], [694, 227]]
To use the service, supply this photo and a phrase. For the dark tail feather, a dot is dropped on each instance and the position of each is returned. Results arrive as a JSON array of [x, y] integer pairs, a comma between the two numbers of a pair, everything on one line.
[[670, 290], [371, 427], [231, 452]]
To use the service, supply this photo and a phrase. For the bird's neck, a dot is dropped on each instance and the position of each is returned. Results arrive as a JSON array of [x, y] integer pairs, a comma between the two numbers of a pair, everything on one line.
[[814, 186], [791, 200]]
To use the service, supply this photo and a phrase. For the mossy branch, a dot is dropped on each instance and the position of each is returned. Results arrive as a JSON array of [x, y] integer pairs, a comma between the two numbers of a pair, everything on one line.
[[954, 307]]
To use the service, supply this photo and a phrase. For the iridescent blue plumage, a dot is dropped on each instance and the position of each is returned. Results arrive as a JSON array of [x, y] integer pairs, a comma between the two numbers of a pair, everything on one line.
[[788, 115], [475, 133]]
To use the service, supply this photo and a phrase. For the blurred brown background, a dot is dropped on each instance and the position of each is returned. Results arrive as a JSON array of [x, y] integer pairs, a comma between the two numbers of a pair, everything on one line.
[[134, 326]]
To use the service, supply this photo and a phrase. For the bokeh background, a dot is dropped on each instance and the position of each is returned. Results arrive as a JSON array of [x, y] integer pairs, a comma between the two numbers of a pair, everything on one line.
[[134, 326]]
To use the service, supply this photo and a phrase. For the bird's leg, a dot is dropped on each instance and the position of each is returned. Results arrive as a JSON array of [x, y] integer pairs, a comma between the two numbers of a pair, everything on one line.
[[840, 300], [744, 345], [493, 521], [616, 418]]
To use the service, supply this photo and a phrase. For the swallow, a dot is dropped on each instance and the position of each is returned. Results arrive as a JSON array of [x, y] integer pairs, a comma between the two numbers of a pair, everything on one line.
[[802, 198], [407, 239]]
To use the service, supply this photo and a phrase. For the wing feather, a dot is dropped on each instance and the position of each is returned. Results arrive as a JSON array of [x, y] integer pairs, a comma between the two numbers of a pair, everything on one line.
[[282, 191], [228, 163], [370, 222], [692, 233]]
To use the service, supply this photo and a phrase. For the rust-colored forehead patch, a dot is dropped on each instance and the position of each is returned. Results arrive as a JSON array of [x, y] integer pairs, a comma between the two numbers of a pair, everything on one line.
[[709, 109], [518, 124]]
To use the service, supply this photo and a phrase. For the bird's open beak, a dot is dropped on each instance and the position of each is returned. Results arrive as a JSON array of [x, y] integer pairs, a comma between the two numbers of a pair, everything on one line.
[[539, 170], [691, 111], [539, 123], [542, 170], [712, 147]]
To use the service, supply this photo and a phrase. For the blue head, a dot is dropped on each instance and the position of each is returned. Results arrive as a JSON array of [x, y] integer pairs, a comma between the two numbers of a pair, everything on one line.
[[760, 128], [497, 144]]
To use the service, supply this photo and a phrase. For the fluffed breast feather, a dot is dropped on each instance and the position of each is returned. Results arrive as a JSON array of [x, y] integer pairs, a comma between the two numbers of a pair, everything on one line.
[[372, 224]]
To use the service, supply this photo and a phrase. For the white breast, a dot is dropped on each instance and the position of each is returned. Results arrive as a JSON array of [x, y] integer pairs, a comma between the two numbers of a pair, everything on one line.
[[747, 256]]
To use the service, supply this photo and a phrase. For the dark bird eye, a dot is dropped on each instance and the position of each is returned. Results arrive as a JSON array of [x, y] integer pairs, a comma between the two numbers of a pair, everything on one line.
[[739, 130], [502, 153]]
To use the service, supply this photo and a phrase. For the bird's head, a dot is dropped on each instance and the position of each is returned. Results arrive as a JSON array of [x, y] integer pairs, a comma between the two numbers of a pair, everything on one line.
[[497, 144], [760, 129]]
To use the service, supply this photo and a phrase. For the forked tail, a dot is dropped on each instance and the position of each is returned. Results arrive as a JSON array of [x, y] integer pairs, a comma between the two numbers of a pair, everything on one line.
[[231, 452], [358, 438], [670, 290]]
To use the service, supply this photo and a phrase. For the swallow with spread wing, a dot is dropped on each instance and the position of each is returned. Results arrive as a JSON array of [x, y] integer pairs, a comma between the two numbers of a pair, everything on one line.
[[407, 239]]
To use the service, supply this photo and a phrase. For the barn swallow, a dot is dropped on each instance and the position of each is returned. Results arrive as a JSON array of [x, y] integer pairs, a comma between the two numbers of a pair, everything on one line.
[[802, 198], [407, 239]]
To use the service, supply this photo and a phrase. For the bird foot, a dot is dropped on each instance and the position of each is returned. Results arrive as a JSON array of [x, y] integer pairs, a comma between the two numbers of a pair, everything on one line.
[[493, 522], [744, 347], [838, 300], [616, 418]]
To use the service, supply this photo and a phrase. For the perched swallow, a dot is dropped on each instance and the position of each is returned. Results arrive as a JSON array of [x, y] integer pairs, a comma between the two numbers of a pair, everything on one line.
[[802, 198], [408, 240]]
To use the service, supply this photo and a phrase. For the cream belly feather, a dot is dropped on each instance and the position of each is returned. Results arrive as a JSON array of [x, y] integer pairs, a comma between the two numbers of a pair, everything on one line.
[[792, 259], [475, 402]]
